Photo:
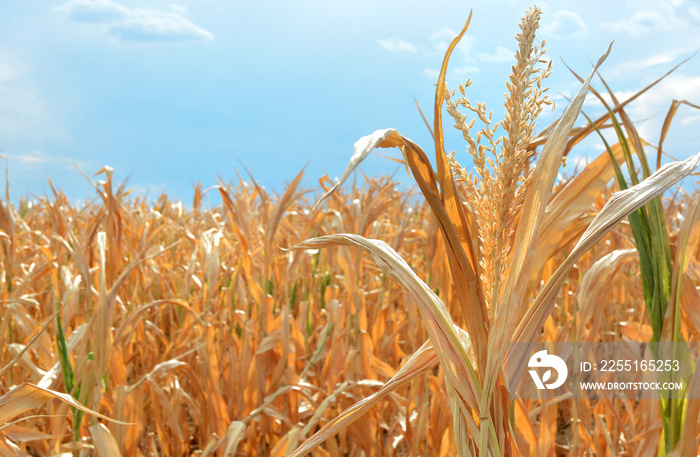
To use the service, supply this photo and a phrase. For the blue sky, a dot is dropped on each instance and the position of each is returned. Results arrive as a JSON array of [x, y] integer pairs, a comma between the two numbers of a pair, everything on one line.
[[174, 93]]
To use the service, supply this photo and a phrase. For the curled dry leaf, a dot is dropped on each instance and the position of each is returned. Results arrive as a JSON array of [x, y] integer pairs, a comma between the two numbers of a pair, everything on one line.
[[422, 360], [29, 396], [446, 340], [620, 205]]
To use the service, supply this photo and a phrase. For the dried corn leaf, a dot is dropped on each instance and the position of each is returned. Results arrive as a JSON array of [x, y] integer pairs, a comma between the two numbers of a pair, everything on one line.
[[620, 205], [686, 245], [422, 360], [453, 354], [29, 396], [577, 196], [104, 442], [462, 263], [234, 435], [688, 444]]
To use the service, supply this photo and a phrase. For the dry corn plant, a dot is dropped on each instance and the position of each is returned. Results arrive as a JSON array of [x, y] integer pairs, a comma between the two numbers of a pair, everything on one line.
[[198, 367], [222, 346], [662, 276], [201, 337], [496, 239]]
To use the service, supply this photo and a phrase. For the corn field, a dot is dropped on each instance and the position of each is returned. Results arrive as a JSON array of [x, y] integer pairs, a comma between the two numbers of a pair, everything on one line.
[[136, 328]]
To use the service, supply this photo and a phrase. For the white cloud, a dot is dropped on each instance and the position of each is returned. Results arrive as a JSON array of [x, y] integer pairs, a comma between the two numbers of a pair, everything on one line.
[[502, 55], [458, 73], [694, 11], [397, 45], [661, 18], [437, 43], [652, 106], [95, 11], [689, 120], [633, 66], [136, 25], [591, 102], [657, 100], [39, 159], [23, 111], [153, 26], [466, 70], [431, 73], [442, 38], [562, 96], [652, 16], [566, 24]]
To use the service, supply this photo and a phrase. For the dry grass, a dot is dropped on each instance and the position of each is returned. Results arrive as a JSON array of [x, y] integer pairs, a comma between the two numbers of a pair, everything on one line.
[[227, 340], [222, 335], [201, 334]]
